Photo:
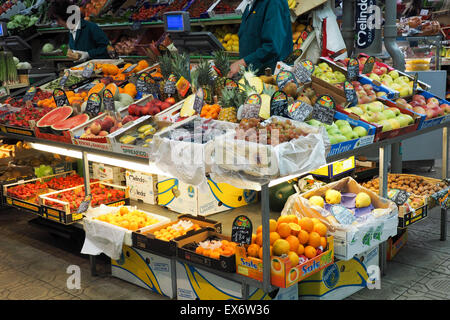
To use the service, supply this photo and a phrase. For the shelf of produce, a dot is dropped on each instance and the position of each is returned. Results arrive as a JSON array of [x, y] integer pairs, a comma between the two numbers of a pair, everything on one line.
[[152, 24]]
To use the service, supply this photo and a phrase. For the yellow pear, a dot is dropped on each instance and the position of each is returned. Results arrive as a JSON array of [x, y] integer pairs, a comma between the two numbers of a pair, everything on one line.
[[362, 200], [317, 201], [333, 196]]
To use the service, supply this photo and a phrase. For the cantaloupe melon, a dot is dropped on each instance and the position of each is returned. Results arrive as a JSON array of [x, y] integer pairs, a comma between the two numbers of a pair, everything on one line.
[[125, 99], [114, 90]]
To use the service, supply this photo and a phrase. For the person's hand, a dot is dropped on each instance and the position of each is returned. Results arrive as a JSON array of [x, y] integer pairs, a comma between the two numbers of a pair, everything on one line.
[[235, 68], [83, 56]]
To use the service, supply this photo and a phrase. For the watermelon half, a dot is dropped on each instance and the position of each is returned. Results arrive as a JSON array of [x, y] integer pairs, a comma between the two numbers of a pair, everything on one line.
[[53, 117], [71, 123]]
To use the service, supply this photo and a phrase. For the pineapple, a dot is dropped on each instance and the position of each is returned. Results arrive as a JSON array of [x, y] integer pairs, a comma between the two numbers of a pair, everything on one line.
[[165, 64], [266, 98], [231, 99], [202, 78], [249, 76], [222, 64], [181, 68]]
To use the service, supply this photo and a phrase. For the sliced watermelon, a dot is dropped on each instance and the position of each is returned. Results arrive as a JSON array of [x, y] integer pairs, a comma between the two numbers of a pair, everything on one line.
[[54, 116], [71, 123]]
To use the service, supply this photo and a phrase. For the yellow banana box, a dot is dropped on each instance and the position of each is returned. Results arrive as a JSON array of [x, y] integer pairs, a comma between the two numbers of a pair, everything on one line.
[[145, 270], [336, 169], [206, 199], [343, 278], [198, 284]]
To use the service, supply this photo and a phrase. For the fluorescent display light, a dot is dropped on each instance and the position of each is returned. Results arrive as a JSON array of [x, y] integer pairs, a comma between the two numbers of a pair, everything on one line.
[[57, 150]]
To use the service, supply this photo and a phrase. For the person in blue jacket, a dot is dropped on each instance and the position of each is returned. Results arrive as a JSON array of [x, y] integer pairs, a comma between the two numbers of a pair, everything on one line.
[[86, 38], [265, 35]]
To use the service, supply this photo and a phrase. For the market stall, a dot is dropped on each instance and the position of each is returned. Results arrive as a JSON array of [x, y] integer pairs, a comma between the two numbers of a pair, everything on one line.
[[170, 148]]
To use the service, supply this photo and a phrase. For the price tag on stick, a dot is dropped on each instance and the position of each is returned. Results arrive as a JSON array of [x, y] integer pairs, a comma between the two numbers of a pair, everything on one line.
[[88, 70], [94, 105], [170, 86], [324, 109], [303, 71], [353, 69], [415, 83], [60, 97], [199, 101], [84, 205], [108, 101], [300, 111], [279, 104], [29, 95], [368, 65], [141, 85], [350, 94], [64, 79], [241, 230]]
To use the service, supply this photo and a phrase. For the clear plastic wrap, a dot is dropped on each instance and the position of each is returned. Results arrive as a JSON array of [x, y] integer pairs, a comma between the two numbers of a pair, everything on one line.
[[248, 164]]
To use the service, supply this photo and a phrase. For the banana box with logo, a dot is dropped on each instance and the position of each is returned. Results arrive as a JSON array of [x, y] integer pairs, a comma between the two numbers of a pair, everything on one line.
[[283, 274], [336, 169], [142, 186], [206, 199], [343, 278], [198, 284], [145, 270]]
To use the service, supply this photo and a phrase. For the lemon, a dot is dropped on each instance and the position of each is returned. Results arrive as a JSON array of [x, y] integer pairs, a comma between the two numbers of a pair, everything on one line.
[[227, 37], [235, 37]]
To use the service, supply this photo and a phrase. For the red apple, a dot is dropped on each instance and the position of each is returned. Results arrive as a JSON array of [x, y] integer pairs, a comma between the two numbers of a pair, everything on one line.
[[433, 100], [419, 110], [419, 98], [446, 107]]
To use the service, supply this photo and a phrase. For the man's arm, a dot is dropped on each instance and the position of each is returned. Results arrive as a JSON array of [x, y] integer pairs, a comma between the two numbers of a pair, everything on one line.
[[101, 42]]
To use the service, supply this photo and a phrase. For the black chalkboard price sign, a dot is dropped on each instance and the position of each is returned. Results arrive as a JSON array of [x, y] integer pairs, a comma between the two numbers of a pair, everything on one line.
[[299, 111], [353, 69], [88, 70], [94, 105], [29, 95], [350, 94], [152, 86], [141, 85], [84, 205], [400, 197], [284, 77], [170, 85], [290, 60], [368, 65], [60, 98], [303, 71], [279, 104], [324, 110], [108, 101], [241, 230]]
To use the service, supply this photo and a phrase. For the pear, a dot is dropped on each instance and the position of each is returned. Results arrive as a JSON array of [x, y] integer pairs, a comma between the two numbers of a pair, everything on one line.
[[362, 200], [317, 201], [333, 196]]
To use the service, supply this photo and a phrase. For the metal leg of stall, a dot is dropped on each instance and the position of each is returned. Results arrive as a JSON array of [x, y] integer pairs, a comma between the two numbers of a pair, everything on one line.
[[173, 274], [384, 164], [265, 216], [444, 176], [396, 158]]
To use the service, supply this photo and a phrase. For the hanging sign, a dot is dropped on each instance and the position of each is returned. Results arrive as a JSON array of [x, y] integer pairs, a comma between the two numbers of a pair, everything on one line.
[[141, 85], [60, 98], [300, 111], [368, 65], [29, 95], [94, 105], [324, 110], [353, 69], [64, 79], [283, 78], [170, 85], [108, 101], [279, 104], [88, 70], [241, 230], [350, 94], [303, 71], [199, 101], [365, 21]]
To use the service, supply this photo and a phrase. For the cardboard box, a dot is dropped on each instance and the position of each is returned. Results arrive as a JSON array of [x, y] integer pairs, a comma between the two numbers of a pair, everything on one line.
[[283, 274], [336, 169], [146, 270], [142, 186], [396, 243], [198, 284], [341, 279], [204, 200], [102, 171], [304, 6]]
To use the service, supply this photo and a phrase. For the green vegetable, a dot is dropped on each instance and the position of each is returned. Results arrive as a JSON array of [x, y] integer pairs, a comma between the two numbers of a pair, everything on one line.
[[47, 48], [43, 171]]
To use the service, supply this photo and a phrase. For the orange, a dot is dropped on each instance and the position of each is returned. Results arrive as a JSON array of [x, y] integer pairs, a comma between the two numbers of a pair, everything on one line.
[[258, 240], [253, 238], [294, 258], [303, 237], [274, 236], [293, 242], [215, 255], [301, 249], [310, 252], [283, 219], [295, 228], [323, 242], [273, 225], [293, 218], [207, 252], [320, 228], [284, 230], [306, 224], [259, 230], [281, 247], [253, 250], [199, 250], [315, 220], [260, 253], [314, 239]]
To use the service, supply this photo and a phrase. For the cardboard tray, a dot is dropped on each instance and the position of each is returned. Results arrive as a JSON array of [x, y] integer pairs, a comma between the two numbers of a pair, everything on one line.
[[225, 263], [283, 274], [147, 241], [396, 243]]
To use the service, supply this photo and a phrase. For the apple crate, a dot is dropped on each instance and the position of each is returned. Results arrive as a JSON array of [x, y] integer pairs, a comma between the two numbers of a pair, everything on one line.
[[30, 204], [188, 244], [380, 135], [63, 214], [145, 100], [147, 241], [101, 143], [139, 147], [424, 122], [283, 274]]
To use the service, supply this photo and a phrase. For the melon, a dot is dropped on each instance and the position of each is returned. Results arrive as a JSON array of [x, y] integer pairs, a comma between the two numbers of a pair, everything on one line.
[[71, 123], [53, 117], [125, 99], [98, 88]]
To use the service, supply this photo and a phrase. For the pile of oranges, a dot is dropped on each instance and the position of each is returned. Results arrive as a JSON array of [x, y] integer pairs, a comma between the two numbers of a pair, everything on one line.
[[289, 235], [128, 219], [174, 231], [227, 248], [72, 97]]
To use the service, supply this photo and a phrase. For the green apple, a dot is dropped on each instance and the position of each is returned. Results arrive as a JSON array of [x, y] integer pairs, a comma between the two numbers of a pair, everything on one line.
[[395, 110], [386, 125], [402, 120], [385, 78], [400, 81], [314, 123], [323, 66], [375, 106], [341, 123], [374, 76], [334, 131], [333, 139], [381, 94], [409, 119], [405, 79], [394, 74], [381, 116], [330, 126], [394, 124], [357, 110], [360, 131], [389, 114], [404, 91], [341, 138], [345, 129], [351, 135]]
